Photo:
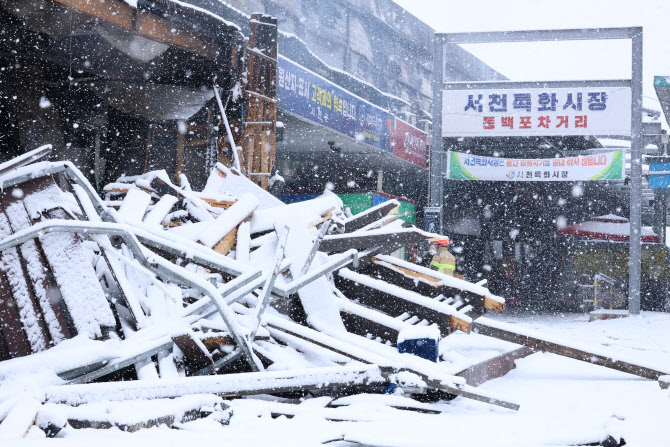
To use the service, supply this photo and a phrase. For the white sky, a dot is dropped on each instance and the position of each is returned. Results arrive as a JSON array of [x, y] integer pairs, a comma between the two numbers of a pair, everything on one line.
[[558, 60]]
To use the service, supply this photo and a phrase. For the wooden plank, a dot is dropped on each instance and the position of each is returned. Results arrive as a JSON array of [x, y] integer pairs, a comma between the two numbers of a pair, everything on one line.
[[320, 221], [365, 321], [128, 299], [491, 304], [359, 325], [242, 248], [248, 154], [424, 282], [430, 280], [260, 98], [167, 420], [10, 322], [265, 158], [115, 12], [396, 305], [25, 159], [218, 203], [498, 366], [145, 24], [124, 190], [19, 419], [195, 356], [160, 210], [259, 138], [375, 238], [535, 341], [350, 345], [390, 219], [66, 248], [134, 205], [180, 157], [226, 244], [370, 216], [214, 341], [37, 276], [226, 385], [459, 325]]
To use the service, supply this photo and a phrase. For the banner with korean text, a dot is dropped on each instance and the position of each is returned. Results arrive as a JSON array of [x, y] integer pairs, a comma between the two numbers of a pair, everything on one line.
[[605, 166], [545, 111], [312, 97]]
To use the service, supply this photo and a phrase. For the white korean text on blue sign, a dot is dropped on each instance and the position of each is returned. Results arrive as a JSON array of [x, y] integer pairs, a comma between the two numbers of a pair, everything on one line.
[[536, 111], [311, 97]]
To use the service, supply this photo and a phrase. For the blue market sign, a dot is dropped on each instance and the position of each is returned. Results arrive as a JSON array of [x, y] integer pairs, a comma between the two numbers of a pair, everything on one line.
[[314, 98], [659, 173]]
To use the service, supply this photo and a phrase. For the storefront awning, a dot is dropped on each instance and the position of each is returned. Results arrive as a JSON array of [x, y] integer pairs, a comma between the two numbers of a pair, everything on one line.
[[607, 228]]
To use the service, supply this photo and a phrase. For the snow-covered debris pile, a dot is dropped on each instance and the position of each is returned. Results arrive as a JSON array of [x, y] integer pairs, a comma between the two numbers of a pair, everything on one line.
[[156, 285]]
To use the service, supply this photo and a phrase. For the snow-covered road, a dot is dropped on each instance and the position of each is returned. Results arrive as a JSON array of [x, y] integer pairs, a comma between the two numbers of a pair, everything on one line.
[[563, 402]]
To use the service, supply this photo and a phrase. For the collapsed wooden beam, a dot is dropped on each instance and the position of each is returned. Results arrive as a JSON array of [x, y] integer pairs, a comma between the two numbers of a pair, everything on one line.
[[375, 238], [538, 342], [440, 282], [145, 24], [228, 385], [20, 419], [493, 368], [363, 350], [371, 215], [396, 300]]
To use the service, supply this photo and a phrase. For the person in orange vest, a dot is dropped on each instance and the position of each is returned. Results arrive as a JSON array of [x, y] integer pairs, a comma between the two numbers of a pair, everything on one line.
[[443, 261]]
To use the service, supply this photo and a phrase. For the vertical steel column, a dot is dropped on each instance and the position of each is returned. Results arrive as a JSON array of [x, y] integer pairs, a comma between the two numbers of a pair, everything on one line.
[[635, 263], [658, 210], [436, 183]]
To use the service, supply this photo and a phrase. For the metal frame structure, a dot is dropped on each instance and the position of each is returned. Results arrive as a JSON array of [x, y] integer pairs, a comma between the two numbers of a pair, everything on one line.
[[144, 256], [634, 34]]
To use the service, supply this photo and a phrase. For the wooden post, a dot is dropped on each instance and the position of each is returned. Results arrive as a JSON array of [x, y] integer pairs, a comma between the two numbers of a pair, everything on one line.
[[180, 156], [260, 101]]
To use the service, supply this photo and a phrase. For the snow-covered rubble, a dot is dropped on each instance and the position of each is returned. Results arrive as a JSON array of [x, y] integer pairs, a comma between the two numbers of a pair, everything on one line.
[[201, 309]]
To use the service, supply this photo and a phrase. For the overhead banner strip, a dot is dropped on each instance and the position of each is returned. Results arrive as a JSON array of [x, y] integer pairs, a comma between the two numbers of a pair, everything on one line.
[[604, 166], [314, 98]]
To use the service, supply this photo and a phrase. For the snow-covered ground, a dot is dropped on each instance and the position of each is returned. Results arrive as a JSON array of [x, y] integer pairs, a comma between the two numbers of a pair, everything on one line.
[[563, 402]]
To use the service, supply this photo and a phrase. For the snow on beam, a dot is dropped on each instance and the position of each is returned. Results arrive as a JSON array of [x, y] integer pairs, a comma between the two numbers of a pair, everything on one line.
[[20, 418], [371, 215], [412, 299], [229, 385], [361, 349], [334, 263], [437, 279], [25, 159], [585, 353], [145, 24], [376, 238]]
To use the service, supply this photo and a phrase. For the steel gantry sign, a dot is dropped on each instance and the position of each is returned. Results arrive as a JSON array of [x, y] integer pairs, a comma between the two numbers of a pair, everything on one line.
[[491, 110], [533, 109]]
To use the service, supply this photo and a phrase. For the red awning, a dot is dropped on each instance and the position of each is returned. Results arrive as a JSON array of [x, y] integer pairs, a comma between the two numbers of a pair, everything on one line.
[[607, 228]]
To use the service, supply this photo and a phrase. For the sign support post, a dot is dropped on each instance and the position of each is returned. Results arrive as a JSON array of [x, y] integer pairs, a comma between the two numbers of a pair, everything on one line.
[[635, 265], [634, 84], [433, 213]]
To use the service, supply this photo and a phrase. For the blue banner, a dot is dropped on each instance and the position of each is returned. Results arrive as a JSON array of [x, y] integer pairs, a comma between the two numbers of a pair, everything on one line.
[[312, 97]]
